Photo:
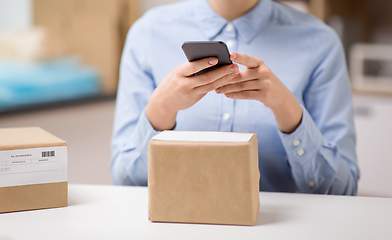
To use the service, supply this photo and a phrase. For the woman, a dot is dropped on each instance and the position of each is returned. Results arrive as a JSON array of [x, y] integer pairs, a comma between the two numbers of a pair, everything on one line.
[[288, 84]]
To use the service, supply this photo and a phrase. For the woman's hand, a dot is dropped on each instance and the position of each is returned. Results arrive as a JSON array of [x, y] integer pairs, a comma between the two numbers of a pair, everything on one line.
[[181, 89], [258, 82]]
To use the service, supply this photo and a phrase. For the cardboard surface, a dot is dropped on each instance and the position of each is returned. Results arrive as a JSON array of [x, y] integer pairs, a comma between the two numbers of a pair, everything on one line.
[[36, 196], [203, 182], [26, 159], [94, 29], [27, 137]]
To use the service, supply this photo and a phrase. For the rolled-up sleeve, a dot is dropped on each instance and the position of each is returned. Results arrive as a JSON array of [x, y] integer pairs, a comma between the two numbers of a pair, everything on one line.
[[321, 151]]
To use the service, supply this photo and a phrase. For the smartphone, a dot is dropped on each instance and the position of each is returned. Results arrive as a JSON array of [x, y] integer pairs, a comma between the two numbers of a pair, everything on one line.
[[196, 50]]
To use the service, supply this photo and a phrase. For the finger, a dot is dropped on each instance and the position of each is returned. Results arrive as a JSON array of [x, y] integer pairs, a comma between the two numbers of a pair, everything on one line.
[[190, 68], [246, 75], [251, 94], [215, 84], [213, 75], [240, 86], [261, 73], [246, 60]]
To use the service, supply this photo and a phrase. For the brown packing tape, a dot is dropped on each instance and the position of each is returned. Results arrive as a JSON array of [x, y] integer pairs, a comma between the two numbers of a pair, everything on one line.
[[36, 196], [200, 182]]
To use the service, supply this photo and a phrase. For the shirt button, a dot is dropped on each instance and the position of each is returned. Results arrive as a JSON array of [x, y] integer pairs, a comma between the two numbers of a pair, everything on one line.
[[300, 152], [311, 184], [296, 142], [229, 44], [226, 116], [229, 27]]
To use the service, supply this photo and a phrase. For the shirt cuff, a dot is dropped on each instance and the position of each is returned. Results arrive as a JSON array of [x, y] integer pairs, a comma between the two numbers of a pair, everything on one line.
[[302, 144], [143, 133]]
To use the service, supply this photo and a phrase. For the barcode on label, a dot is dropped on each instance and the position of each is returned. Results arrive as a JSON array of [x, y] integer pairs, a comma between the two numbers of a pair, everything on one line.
[[49, 154]]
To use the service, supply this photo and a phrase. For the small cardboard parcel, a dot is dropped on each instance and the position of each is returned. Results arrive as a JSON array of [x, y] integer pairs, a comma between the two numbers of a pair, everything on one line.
[[33, 170], [203, 177]]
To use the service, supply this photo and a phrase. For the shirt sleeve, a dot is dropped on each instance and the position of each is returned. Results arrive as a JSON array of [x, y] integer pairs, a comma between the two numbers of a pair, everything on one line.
[[131, 129], [321, 151]]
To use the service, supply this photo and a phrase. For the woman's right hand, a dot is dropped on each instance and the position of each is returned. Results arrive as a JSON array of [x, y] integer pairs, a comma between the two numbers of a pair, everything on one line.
[[181, 89]]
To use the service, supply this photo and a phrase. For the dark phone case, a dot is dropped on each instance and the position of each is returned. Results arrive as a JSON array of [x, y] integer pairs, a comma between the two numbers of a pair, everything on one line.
[[196, 50]]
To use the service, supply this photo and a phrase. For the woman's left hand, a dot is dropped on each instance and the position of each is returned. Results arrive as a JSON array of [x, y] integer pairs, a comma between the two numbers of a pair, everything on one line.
[[258, 82]]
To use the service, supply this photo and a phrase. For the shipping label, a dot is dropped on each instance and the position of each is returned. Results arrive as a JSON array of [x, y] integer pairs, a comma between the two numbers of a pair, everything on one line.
[[33, 166]]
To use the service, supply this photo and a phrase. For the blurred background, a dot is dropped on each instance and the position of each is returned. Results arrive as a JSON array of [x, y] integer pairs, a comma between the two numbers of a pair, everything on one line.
[[59, 64]]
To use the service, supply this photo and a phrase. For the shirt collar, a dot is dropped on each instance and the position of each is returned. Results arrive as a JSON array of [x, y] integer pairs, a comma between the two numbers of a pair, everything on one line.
[[248, 26]]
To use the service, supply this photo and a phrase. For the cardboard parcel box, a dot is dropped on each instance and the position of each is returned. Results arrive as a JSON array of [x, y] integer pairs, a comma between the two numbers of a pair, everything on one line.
[[93, 29], [33, 170], [203, 177]]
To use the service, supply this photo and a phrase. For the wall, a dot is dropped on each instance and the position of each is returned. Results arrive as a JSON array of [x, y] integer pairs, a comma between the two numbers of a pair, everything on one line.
[[15, 14]]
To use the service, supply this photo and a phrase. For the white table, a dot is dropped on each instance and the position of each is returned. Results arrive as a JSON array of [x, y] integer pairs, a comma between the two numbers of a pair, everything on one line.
[[112, 212]]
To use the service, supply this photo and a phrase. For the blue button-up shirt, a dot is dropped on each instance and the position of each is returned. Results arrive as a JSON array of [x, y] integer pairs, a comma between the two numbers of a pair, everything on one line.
[[304, 53]]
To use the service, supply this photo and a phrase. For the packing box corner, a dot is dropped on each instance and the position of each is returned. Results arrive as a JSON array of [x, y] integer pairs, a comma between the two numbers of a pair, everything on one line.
[[33, 170], [203, 177]]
